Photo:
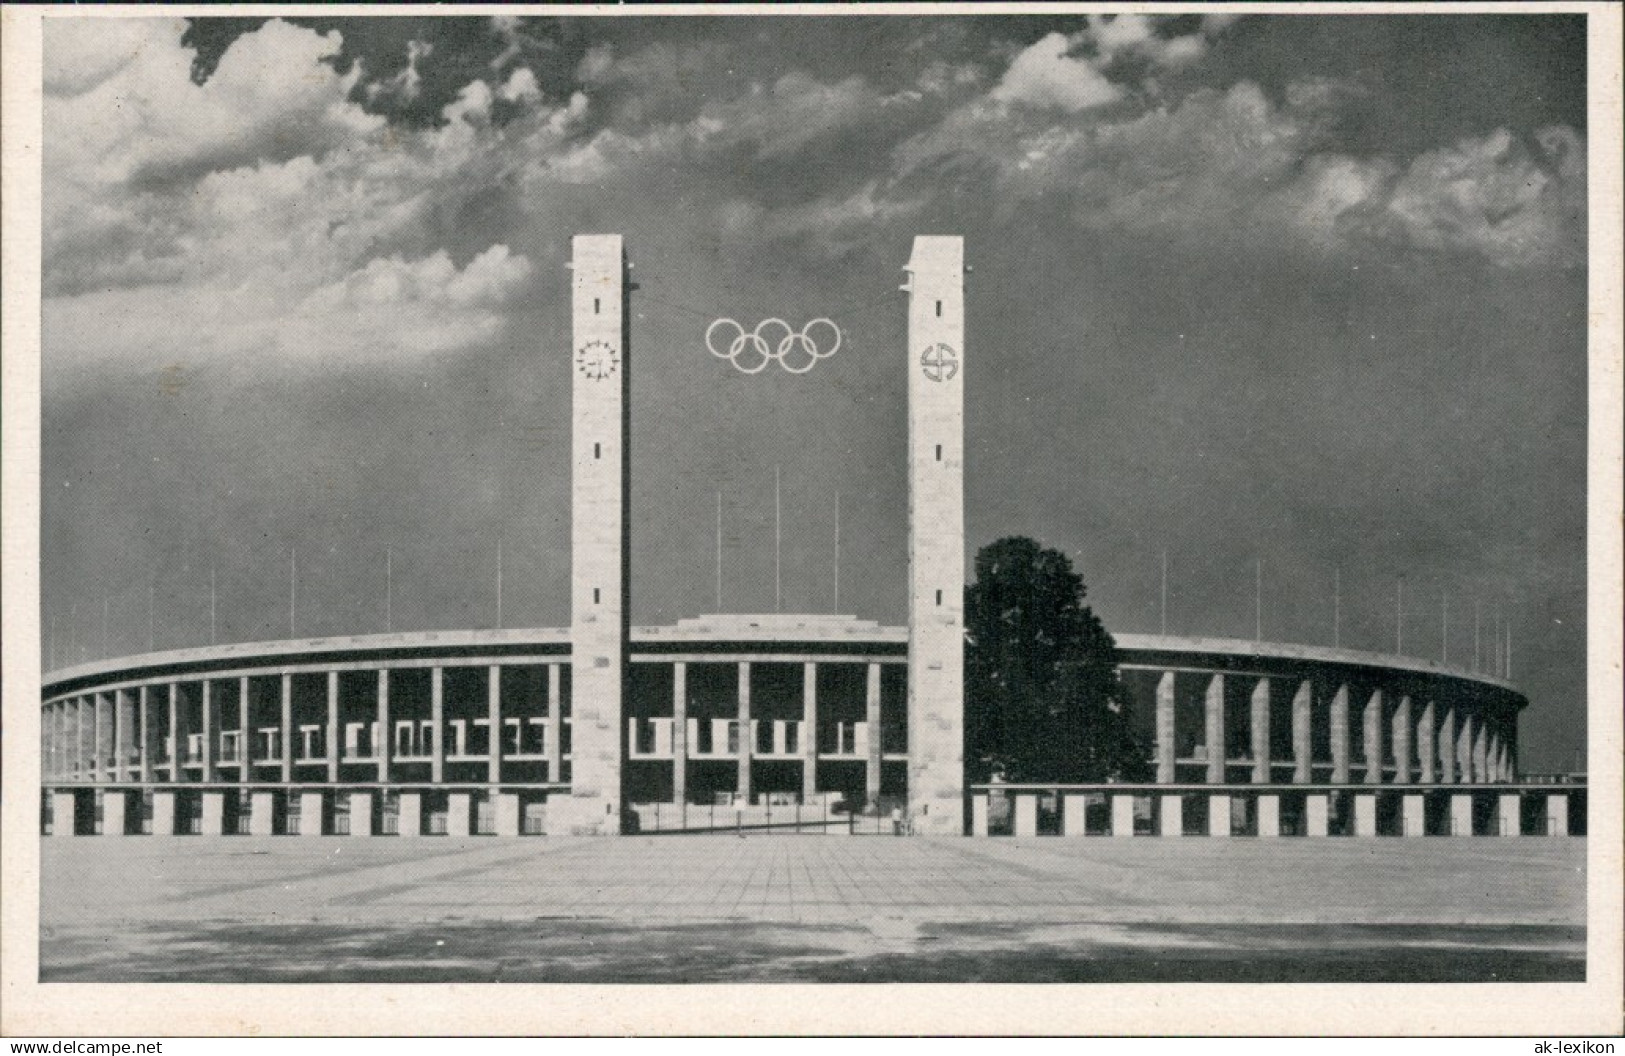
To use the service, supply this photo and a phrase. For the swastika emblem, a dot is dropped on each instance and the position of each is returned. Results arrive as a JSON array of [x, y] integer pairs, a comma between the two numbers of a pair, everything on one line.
[[939, 362]]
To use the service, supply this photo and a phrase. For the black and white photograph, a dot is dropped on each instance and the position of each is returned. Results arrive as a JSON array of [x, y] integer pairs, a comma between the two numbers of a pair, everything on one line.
[[695, 501]]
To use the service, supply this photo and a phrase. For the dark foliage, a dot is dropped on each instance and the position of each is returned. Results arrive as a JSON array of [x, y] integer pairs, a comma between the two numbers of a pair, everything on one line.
[[1043, 701]]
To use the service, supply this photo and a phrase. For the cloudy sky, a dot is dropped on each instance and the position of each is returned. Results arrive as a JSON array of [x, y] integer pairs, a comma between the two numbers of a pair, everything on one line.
[[1309, 290]]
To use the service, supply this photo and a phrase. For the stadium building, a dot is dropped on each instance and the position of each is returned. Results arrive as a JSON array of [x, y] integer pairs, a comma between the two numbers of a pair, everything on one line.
[[781, 722]]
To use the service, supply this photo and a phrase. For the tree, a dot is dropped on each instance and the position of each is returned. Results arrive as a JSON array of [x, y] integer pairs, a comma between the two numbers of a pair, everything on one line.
[[1043, 697]]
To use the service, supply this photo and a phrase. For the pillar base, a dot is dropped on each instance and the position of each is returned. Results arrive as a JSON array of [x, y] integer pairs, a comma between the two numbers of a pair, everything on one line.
[[1413, 815], [1171, 815], [310, 813], [978, 815], [1317, 810], [507, 814], [163, 813], [64, 813], [1557, 814], [581, 816], [1026, 815], [214, 813], [459, 814], [1073, 816], [1218, 815], [938, 815], [116, 813], [1461, 815], [361, 814], [1365, 815], [262, 814], [1510, 814], [409, 818], [1122, 815], [1269, 815]]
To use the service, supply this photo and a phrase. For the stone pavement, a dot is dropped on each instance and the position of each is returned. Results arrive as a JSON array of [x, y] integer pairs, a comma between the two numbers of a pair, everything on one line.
[[813, 880]]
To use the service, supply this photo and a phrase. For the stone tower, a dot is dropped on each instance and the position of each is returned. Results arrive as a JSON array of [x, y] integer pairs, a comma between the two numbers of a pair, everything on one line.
[[600, 554], [936, 534]]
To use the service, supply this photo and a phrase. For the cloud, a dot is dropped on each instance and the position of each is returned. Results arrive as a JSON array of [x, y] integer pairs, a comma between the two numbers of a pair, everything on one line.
[[263, 238], [1234, 166], [1073, 72], [1044, 75]]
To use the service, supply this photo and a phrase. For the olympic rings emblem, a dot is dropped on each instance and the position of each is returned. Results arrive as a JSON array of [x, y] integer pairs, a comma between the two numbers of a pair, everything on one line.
[[773, 340]]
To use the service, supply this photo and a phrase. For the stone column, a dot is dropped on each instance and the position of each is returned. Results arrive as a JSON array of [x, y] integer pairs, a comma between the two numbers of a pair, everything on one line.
[[1481, 773], [177, 735], [287, 728], [493, 715], [1260, 719], [1166, 732], [52, 727], [1269, 815], [333, 728], [1171, 815], [1303, 744], [809, 732], [555, 725], [145, 731], [245, 744], [385, 742], [1218, 815], [1026, 815], [1464, 750], [1426, 749], [1340, 736], [1413, 815], [1401, 736], [679, 733], [101, 733], [1447, 748], [1213, 716], [871, 771], [437, 720], [746, 741], [210, 711], [122, 729], [1373, 738], [1122, 814]]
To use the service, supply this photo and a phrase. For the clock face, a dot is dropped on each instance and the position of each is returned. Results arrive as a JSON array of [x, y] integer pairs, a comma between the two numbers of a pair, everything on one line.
[[597, 360]]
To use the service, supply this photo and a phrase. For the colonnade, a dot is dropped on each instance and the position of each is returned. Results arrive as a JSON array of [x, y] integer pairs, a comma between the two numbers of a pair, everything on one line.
[[1403, 740], [146, 733], [746, 739]]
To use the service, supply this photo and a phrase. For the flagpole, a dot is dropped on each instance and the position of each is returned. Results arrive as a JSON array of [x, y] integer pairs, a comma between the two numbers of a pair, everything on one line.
[[837, 601]]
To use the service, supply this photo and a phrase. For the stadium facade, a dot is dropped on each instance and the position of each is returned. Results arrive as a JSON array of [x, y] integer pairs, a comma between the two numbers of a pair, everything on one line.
[[811, 723]]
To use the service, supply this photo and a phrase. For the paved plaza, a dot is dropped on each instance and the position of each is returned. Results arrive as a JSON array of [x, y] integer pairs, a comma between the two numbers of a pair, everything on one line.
[[784, 908]]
